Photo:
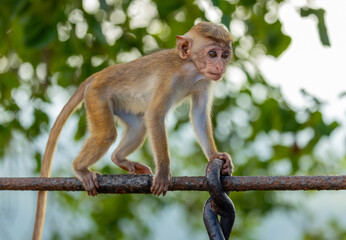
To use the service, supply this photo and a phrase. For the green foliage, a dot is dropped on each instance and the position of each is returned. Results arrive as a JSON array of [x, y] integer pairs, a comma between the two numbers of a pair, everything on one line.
[[40, 124], [82, 127], [338, 232], [72, 44], [321, 25], [8, 82], [269, 34], [343, 94]]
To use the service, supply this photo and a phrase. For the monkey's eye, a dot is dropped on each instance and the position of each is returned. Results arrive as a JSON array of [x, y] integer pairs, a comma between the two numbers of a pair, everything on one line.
[[225, 55], [212, 54]]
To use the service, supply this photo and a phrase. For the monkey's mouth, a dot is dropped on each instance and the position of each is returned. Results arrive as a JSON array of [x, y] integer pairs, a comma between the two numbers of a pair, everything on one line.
[[215, 76]]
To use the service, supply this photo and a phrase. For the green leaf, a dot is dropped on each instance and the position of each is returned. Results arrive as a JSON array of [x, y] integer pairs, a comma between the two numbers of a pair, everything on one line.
[[270, 35], [38, 158], [320, 127], [275, 41], [281, 152], [82, 127], [6, 134], [166, 8], [66, 77], [8, 82], [96, 29], [41, 120], [215, 2], [322, 29], [37, 36]]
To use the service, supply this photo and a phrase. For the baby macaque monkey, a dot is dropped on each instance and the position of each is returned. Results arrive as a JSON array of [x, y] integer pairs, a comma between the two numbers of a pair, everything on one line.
[[140, 93]]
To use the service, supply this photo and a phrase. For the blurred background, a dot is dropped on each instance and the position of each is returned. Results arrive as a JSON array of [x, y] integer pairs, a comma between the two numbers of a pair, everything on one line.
[[280, 110]]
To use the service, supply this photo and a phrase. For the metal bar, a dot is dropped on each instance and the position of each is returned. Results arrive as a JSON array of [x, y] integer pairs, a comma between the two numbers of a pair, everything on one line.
[[141, 183]]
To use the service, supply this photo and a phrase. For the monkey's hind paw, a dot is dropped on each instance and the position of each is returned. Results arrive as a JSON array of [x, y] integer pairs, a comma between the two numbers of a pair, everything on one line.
[[142, 169], [134, 167]]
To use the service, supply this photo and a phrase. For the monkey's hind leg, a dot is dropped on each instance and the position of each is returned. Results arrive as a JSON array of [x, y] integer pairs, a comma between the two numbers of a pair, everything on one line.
[[102, 134], [133, 138]]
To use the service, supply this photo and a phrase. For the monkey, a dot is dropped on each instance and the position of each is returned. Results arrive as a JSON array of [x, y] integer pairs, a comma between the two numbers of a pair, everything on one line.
[[140, 93]]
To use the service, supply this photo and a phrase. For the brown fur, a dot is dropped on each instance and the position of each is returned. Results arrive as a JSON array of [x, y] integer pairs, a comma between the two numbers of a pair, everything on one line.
[[140, 93], [211, 30]]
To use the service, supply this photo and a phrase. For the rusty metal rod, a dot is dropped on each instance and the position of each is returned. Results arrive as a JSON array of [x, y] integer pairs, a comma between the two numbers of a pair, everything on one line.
[[141, 183]]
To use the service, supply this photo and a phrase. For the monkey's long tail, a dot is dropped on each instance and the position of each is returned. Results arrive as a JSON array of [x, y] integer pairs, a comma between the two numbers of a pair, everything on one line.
[[68, 109]]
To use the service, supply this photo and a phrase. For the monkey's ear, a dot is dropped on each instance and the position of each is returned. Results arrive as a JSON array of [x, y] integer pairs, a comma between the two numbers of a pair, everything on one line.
[[184, 45]]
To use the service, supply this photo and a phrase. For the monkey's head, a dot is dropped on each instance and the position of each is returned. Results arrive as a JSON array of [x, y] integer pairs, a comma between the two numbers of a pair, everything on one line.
[[208, 46]]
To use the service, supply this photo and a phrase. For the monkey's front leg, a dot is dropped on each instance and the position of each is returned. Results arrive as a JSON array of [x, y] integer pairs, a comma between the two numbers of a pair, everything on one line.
[[200, 118], [158, 138], [161, 182]]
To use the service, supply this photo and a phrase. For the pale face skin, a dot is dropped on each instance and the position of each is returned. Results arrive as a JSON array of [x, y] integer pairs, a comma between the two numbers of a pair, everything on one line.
[[209, 56], [212, 60]]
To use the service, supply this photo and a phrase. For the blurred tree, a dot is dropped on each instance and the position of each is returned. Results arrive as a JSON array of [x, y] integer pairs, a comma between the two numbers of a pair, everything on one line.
[[59, 43]]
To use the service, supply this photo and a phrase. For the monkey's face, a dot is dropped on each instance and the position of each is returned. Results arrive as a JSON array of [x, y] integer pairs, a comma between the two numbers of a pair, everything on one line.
[[209, 55], [212, 60]]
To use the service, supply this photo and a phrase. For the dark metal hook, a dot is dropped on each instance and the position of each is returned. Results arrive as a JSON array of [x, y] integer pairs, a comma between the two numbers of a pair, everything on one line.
[[218, 204]]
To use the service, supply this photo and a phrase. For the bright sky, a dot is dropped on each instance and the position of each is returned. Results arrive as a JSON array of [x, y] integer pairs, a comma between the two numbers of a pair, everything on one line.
[[307, 64]]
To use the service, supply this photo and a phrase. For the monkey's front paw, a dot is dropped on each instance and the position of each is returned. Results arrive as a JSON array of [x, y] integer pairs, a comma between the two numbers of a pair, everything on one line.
[[227, 167], [89, 180], [161, 183]]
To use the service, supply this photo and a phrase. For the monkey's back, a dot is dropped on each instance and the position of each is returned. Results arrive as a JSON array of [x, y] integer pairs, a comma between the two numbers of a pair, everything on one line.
[[132, 85]]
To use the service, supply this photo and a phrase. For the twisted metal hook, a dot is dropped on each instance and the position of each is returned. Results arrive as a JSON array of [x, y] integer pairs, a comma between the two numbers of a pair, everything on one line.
[[218, 204]]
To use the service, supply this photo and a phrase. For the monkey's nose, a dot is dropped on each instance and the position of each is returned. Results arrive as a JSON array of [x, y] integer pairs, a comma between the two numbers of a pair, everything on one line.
[[218, 71], [218, 68]]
